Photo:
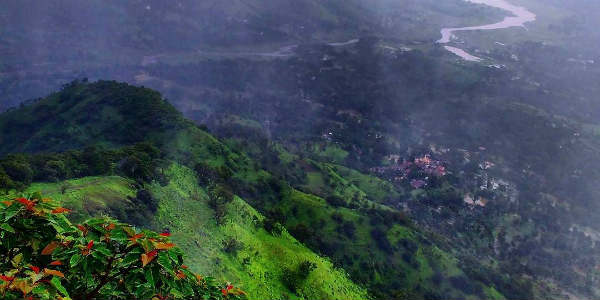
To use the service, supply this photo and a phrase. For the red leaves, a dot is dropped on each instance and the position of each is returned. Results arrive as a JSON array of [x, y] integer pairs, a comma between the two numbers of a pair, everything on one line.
[[27, 203], [56, 263], [60, 210], [53, 272], [161, 297], [49, 248], [164, 246], [134, 238], [88, 248], [35, 269], [82, 229], [180, 274], [165, 234], [7, 278], [148, 257], [184, 266], [226, 290]]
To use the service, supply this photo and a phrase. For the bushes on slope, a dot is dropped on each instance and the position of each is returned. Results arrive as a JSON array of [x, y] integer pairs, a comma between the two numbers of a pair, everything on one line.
[[45, 256]]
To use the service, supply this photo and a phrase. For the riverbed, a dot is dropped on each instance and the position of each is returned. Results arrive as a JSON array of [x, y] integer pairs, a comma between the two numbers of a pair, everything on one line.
[[520, 16]]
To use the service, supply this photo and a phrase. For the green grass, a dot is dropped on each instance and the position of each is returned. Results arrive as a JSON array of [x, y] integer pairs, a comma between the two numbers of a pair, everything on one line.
[[376, 189], [88, 196], [329, 152], [183, 209], [257, 267]]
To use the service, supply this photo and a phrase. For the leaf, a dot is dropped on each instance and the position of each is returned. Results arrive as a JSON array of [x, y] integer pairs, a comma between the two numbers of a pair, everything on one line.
[[42, 292], [23, 285], [165, 262], [7, 227], [10, 212], [135, 237], [60, 210], [104, 251], [56, 263], [164, 246], [82, 229], [50, 248], [146, 259], [149, 277], [61, 223], [7, 278], [56, 283], [130, 231], [27, 203], [110, 226], [180, 274], [53, 272], [130, 258], [75, 259], [17, 259]]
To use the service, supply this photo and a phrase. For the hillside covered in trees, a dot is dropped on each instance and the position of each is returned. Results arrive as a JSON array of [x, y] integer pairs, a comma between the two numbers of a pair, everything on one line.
[[301, 149], [236, 215]]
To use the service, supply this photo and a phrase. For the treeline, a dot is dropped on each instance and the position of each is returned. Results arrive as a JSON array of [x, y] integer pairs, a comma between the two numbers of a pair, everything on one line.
[[142, 162]]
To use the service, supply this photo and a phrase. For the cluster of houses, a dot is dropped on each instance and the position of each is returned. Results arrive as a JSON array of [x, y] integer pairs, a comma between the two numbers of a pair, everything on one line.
[[418, 170]]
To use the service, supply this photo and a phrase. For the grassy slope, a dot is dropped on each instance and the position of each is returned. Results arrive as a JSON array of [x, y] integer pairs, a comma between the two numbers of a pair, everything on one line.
[[184, 210], [183, 207]]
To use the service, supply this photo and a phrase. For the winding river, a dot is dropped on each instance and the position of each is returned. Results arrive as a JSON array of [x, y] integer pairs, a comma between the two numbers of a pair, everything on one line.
[[520, 16]]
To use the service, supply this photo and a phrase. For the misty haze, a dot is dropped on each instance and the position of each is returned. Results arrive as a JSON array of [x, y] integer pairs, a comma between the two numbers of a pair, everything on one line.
[[300, 149]]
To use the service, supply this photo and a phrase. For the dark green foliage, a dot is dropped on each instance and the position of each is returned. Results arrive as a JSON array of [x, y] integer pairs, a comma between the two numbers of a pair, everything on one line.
[[301, 232], [119, 114], [272, 226], [348, 229], [293, 278], [140, 162], [220, 196], [381, 240], [232, 245], [464, 284], [335, 201], [17, 168]]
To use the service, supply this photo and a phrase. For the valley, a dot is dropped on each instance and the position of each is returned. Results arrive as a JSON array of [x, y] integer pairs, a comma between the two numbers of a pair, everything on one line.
[[307, 149]]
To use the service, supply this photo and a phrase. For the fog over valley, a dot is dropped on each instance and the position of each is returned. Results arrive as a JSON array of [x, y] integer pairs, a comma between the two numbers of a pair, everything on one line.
[[300, 149]]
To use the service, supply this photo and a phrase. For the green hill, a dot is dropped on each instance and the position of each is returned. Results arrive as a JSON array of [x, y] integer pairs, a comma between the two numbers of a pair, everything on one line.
[[222, 207]]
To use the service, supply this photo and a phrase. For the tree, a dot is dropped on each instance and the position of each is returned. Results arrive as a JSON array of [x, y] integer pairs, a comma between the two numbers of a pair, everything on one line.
[[45, 256]]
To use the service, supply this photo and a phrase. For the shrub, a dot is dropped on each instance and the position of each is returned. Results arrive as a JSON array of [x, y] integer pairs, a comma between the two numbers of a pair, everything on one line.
[[301, 232], [220, 196], [348, 229], [464, 284], [45, 256], [381, 240], [335, 201], [145, 198], [272, 226], [232, 245], [292, 279]]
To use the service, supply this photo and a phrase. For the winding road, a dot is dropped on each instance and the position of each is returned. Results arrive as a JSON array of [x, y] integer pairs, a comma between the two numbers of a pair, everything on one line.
[[520, 16]]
